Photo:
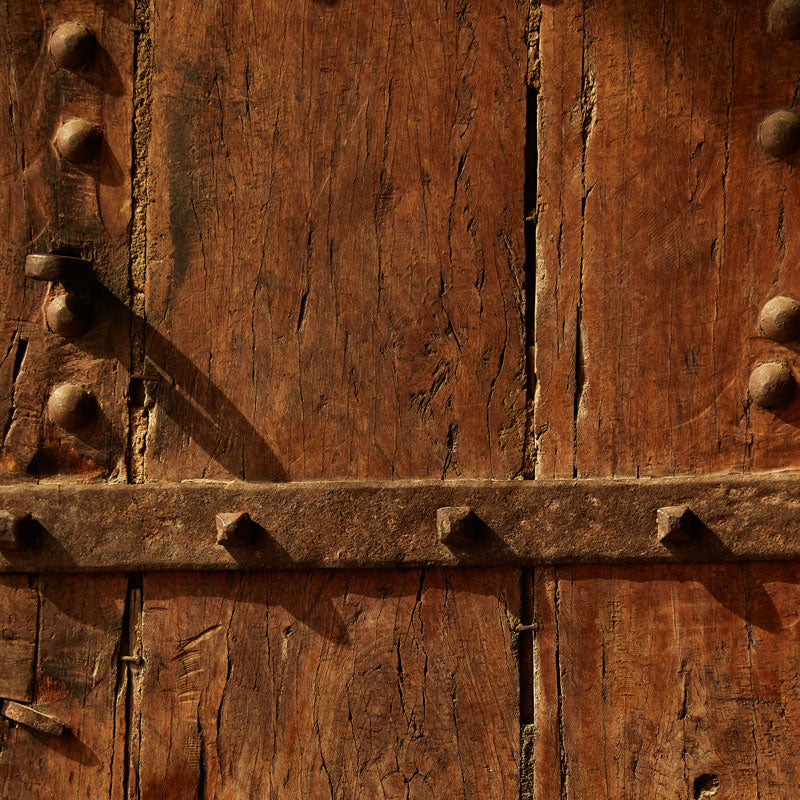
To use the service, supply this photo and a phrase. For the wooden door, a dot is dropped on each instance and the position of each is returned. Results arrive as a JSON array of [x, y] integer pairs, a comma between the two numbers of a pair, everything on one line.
[[393, 404]]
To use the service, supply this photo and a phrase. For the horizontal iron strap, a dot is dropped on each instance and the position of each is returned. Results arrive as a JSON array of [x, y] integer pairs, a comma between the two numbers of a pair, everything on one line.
[[98, 527]]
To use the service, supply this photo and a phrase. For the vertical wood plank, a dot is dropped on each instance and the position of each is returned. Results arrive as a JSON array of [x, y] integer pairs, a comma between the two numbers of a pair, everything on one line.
[[337, 198], [667, 680], [559, 234], [54, 206], [19, 606], [661, 235], [80, 625], [343, 684]]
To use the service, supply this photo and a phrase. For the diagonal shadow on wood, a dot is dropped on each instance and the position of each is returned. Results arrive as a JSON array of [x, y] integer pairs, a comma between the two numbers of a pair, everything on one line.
[[182, 391]]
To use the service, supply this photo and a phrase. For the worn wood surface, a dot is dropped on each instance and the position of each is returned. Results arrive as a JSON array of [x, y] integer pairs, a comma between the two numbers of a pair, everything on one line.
[[79, 631], [661, 232], [19, 610], [661, 681], [51, 205], [330, 685], [335, 239]]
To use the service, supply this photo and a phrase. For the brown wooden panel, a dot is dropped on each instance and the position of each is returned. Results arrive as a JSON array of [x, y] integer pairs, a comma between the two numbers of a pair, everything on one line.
[[53, 206], [662, 681], [19, 605], [662, 233], [345, 684], [80, 627], [335, 239]]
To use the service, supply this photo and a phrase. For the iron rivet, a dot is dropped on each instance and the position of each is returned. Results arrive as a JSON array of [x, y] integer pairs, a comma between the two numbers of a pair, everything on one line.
[[9, 635], [456, 525], [78, 141], [779, 134], [72, 45], [234, 528], [676, 524], [56, 268], [779, 320], [771, 385], [783, 19], [71, 407], [67, 315], [12, 529]]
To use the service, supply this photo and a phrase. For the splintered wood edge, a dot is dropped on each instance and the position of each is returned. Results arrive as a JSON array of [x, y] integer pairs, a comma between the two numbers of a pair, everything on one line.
[[101, 527]]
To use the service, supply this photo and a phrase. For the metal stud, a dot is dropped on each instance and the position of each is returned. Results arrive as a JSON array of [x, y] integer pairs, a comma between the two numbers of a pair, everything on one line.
[[234, 528], [78, 141], [68, 315], [56, 268], [783, 19], [779, 134], [72, 45], [71, 407], [779, 320], [771, 385], [456, 525], [676, 524], [13, 526]]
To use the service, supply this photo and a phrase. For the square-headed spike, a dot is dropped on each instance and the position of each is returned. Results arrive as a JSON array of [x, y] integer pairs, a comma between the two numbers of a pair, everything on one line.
[[456, 525], [12, 529], [676, 524], [234, 528]]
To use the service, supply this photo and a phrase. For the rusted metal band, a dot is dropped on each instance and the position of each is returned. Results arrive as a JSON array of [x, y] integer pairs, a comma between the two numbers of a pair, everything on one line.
[[91, 527]]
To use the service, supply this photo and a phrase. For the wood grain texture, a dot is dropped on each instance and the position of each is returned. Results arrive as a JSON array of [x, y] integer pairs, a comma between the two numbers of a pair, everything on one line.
[[53, 206], [80, 626], [19, 607], [330, 685], [335, 239], [661, 681], [662, 231]]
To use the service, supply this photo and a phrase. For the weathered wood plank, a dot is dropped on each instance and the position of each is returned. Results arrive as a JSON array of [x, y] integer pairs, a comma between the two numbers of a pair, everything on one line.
[[337, 200], [664, 680], [51, 205], [661, 236], [559, 232], [336, 684], [80, 625], [19, 607]]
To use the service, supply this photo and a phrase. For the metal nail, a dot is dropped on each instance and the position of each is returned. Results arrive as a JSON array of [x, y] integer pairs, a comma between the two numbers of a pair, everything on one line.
[[779, 134], [456, 525], [68, 315], [72, 45], [779, 319], [771, 385], [78, 141], [676, 524], [234, 528], [13, 525], [783, 19], [71, 407]]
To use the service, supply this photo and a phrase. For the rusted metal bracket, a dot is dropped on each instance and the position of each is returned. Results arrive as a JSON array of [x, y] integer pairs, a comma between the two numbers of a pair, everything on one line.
[[98, 527], [31, 718]]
